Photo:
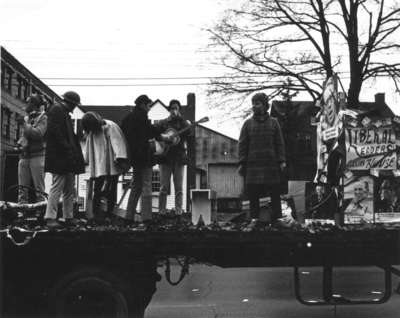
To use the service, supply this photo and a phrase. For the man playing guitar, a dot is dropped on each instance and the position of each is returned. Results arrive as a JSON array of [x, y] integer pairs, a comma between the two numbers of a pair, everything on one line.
[[173, 160]]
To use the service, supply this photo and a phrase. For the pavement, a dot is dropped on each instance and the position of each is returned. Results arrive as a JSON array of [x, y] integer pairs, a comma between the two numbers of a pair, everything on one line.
[[211, 292]]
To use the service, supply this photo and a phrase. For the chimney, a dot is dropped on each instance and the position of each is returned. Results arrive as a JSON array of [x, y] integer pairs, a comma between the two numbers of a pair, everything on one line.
[[380, 98], [191, 99]]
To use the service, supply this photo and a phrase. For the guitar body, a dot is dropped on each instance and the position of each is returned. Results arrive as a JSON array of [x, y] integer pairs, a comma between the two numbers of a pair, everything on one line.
[[161, 148], [173, 134]]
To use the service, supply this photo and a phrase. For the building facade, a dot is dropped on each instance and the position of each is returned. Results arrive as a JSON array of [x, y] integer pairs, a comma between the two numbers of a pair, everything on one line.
[[17, 83]]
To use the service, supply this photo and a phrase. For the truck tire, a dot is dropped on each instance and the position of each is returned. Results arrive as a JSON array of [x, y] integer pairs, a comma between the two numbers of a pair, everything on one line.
[[93, 292]]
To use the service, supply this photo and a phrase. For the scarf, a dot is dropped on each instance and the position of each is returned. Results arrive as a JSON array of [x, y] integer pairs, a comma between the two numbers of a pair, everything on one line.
[[261, 117]]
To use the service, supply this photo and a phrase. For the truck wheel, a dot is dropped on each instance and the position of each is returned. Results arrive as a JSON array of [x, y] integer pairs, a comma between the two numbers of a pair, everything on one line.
[[93, 293]]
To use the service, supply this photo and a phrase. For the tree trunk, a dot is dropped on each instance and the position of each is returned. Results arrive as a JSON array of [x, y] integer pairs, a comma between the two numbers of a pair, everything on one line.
[[354, 90]]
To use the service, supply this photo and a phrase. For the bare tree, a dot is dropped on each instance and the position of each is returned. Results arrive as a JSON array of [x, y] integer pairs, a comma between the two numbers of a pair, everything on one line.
[[267, 41]]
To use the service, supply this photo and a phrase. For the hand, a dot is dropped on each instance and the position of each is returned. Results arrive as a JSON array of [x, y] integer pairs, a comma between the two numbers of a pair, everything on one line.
[[241, 170], [20, 120], [282, 165], [165, 137]]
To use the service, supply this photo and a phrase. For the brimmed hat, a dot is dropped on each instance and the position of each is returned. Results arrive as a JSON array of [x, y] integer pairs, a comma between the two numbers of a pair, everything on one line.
[[72, 97], [174, 102], [142, 99]]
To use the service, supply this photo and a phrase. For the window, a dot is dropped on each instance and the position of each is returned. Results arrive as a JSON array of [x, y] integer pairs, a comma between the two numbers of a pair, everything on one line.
[[303, 143], [19, 90], [10, 79], [233, 150], [205, 148], [25, 90], [224, 150], [3, 75], [214, 152], [155, 181], [18, 132], [5, 121]]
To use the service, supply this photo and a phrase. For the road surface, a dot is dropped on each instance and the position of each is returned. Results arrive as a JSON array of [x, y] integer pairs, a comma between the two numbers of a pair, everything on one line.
[[210, 291]]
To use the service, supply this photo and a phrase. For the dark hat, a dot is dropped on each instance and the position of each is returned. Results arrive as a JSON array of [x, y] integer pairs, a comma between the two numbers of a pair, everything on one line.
[[36, 100], [72, 97], [142, 99], [174, 102]]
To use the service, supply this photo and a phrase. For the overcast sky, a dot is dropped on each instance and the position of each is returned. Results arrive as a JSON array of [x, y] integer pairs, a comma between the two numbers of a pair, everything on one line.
[[147, 41], [159, 44]]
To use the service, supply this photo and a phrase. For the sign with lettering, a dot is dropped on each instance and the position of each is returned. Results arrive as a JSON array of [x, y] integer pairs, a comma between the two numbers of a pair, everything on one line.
[[370, 148]]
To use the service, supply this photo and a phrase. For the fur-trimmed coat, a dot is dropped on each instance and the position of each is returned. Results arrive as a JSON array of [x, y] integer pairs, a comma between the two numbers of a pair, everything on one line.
[[261, 150]]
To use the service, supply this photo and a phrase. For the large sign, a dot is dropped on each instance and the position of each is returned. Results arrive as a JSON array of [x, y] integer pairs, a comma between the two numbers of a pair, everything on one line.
[[370, 148], [330, 107]]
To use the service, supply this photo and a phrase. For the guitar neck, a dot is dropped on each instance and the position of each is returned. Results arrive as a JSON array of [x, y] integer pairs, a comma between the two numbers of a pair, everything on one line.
[[188, 127]]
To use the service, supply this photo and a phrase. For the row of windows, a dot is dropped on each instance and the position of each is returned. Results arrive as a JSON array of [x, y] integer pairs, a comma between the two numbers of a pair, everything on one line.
[[17, 85], [209, 149], [7, 117]]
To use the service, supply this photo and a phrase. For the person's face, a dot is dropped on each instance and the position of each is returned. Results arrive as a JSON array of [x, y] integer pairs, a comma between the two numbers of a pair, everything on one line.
[[258, 107], [71, 106], [386, 193], [31, 105], [175, 111], [360, 192], [146, 106]]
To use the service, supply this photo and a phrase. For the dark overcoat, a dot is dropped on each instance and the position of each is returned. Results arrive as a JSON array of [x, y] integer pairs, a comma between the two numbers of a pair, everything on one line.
[[63, 150], [261, 150], [138, 130]]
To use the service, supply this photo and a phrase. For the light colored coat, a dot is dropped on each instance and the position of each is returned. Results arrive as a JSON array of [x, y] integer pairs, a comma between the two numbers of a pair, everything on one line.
[[103, 149]]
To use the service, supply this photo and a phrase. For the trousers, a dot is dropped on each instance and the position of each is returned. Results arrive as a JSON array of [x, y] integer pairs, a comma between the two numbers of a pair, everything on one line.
[[141, 188], [62, 185], [166, 170], [31, 170], [255, 191]]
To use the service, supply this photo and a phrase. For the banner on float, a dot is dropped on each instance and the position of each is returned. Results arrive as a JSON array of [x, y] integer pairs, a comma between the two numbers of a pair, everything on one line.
[[370, 148]]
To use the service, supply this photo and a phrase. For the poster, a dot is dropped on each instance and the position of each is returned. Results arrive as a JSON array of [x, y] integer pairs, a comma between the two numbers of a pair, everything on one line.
[[387, 200], [329, 126], [321, 203], [370, 148], [358, 201]]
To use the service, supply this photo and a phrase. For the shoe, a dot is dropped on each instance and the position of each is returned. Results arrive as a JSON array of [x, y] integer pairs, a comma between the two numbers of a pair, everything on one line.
[[71, 222], [251, 226], [53, 224]]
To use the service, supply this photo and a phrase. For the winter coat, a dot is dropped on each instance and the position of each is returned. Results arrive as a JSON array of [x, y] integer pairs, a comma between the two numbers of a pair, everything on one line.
[[103, 149], [176, 154], [138, 130], [32, 141], [261, 150], [63, 151]]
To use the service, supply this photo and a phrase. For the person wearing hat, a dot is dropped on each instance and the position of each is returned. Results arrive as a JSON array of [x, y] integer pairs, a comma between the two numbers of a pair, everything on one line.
[[262, 157], [138, 131], [32, 146], [173, 162], [64, 158]]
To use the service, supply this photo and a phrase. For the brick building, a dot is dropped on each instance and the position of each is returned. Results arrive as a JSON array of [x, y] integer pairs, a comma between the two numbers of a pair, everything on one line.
[[17, 83]]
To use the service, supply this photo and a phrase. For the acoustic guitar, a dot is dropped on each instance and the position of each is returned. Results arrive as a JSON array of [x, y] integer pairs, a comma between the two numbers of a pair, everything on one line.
[[161, 148]]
